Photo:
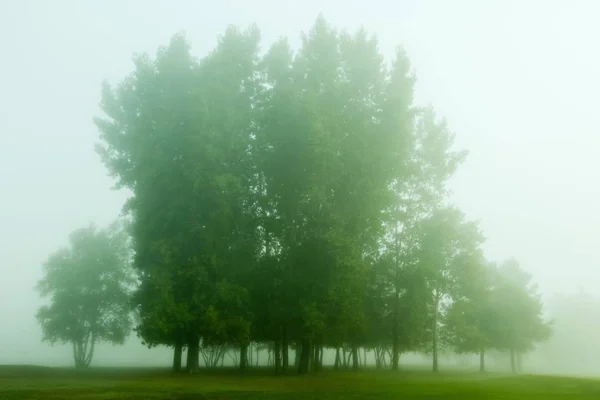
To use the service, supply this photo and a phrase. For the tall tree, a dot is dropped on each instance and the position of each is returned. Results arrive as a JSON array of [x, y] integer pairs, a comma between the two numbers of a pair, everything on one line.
[[89, 284], [446, 243], [146, 144], [470, 319]]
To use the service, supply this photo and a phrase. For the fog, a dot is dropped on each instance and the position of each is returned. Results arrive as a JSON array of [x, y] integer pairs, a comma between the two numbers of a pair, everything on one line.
[[517, 82]]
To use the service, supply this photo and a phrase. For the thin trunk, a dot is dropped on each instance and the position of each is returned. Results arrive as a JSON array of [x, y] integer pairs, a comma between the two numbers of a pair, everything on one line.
[[344, 357], [177, 356], [482, 360], [90, 354], [311, 357], [349, 358], [360, 358], [257, 353], [269, 357], [336, 364], [321, 357], [513, 365], [284, 349], [297, 354], [395, 344], [364, 357], [315, 358], [435, 333], [277, 351]]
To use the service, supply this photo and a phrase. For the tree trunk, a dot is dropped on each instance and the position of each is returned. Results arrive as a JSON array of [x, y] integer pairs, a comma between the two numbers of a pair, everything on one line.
[[83, 351], [297, 354], [364, 357], [395, 344], [193, 354], [257, 353], [177, 351], [435, 333], [360, 358], [303, 365], [277, 355], [482, 360], [311, 357], [269, 357], [321, 357], [284, 350], [354, 357], [243, 356], [345, 364], [513, 365], [336, 364]]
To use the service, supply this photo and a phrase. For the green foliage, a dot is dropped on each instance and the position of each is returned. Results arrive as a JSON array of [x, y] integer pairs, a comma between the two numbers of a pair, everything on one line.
[[88, 284], [518, 309], [295, 197]]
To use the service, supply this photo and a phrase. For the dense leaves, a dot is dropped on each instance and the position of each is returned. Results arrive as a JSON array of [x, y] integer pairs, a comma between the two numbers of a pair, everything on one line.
[[88, 284], [294, 199]]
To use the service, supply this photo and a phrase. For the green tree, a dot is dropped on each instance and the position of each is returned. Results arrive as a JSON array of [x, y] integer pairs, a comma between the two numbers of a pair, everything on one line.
[[470, 318], [446, 243], [518, 309], [291, 200], [176, 132], [89, 284]]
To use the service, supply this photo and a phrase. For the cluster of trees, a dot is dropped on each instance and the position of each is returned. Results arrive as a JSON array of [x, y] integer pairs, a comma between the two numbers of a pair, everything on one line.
[[298, 200]]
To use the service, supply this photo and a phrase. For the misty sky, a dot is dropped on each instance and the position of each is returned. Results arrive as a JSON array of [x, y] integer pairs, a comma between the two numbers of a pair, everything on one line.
[[517, 80]]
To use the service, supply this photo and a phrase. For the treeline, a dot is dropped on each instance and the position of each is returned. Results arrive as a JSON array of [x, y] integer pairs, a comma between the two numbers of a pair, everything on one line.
[[297, 200]]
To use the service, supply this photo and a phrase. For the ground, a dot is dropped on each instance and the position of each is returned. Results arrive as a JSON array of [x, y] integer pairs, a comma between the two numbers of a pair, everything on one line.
[[21, 382]]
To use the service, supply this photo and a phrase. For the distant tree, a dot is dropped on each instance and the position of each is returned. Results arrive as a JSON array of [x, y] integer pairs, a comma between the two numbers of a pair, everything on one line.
[[89, 284], [519, 322]]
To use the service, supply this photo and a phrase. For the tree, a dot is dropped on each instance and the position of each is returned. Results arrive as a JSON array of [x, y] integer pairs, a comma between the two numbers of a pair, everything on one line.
[[89, 284], [176, 133], [447, 242], [518, 310], [470, 318]]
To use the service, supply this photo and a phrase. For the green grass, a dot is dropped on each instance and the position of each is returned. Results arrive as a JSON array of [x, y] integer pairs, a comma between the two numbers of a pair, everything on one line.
[[23, 382]]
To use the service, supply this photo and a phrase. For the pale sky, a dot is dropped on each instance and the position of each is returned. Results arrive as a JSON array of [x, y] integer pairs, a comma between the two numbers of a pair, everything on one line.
[[517, 81]]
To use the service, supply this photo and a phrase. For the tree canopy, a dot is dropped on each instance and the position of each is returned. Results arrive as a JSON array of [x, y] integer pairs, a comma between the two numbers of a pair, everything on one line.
[[89, 284], [296, 199]]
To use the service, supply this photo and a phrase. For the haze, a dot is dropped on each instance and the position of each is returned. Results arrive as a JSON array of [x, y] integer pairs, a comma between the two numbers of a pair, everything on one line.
[[517, 82]]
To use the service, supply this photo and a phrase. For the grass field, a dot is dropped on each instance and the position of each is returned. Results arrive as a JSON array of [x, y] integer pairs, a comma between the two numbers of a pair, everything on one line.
[[22, 382]]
